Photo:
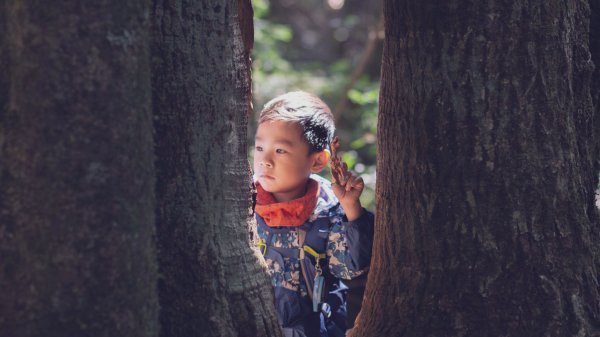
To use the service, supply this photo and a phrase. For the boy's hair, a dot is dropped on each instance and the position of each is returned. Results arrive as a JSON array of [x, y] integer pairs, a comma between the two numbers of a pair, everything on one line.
[[313, 115]]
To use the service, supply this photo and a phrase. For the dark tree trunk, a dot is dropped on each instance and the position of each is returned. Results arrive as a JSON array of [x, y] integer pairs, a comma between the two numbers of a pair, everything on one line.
[[487, 165], [4, 83], [595, 87], [77, 256], [211, 281]]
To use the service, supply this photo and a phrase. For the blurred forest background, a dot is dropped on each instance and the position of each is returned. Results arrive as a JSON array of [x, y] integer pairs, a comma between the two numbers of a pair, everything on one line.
[[331, 48]]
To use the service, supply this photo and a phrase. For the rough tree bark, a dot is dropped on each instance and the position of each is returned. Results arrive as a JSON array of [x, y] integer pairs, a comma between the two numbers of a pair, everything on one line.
[[77, 255], [487, 165], [595, 87], [211, 282]]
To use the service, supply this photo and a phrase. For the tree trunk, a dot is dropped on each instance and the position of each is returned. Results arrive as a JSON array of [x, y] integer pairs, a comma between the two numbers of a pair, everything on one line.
[[77, 254], [4, 66], [211, 281], [487, 165], [595, 87]]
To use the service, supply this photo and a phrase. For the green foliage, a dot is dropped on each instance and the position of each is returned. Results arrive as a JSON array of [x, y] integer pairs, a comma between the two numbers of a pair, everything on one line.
[[363, 98], [268, 36]]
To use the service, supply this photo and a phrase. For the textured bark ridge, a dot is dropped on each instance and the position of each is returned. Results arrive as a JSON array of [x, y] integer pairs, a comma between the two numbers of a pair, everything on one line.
[[76, 170], [595, 88], [211, 282], [487, 165]]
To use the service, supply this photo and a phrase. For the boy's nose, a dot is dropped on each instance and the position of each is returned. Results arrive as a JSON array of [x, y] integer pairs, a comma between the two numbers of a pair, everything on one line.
[[266, 163]]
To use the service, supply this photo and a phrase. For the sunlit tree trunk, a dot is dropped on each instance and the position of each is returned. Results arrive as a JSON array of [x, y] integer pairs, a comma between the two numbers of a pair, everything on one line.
[[77, 255], [487, 165], [211, 282]]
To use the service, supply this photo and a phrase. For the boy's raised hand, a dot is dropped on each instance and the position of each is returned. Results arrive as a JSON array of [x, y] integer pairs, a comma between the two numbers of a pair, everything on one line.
[[346, 186]]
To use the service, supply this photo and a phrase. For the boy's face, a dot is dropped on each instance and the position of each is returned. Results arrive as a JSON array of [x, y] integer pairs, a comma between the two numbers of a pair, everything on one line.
[[282, 163]]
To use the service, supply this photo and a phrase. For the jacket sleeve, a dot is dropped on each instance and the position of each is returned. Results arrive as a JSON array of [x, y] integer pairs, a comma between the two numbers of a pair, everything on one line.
[[349, 246]]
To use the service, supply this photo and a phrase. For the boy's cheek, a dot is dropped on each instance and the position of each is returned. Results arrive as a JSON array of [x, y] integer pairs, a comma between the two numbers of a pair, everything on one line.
[[255, 159]]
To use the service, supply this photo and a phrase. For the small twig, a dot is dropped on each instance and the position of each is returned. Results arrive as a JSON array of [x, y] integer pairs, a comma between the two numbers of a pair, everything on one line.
[[339, 169]]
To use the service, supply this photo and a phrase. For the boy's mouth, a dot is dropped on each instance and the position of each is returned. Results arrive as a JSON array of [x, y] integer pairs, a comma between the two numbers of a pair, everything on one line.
[[266, 176]]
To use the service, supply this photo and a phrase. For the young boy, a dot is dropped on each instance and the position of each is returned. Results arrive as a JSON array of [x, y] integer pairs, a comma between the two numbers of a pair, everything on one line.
[[311, 232]]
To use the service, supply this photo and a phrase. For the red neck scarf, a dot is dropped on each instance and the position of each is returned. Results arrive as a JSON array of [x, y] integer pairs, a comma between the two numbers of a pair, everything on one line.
[[290, 213]]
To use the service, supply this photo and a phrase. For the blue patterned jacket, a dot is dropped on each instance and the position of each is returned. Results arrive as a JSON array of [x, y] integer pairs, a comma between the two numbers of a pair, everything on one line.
[[347, 245]]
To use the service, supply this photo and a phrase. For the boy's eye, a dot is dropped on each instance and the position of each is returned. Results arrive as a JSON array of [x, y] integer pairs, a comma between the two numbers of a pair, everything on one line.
[[280, 151], [259, 148]]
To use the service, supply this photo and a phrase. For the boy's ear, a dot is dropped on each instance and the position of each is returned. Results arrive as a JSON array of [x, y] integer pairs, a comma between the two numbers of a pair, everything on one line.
[[320, 160]]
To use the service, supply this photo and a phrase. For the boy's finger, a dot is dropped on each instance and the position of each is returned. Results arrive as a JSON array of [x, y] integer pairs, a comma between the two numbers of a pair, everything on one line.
[[358, 183], [338, 190], [351, 182]]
